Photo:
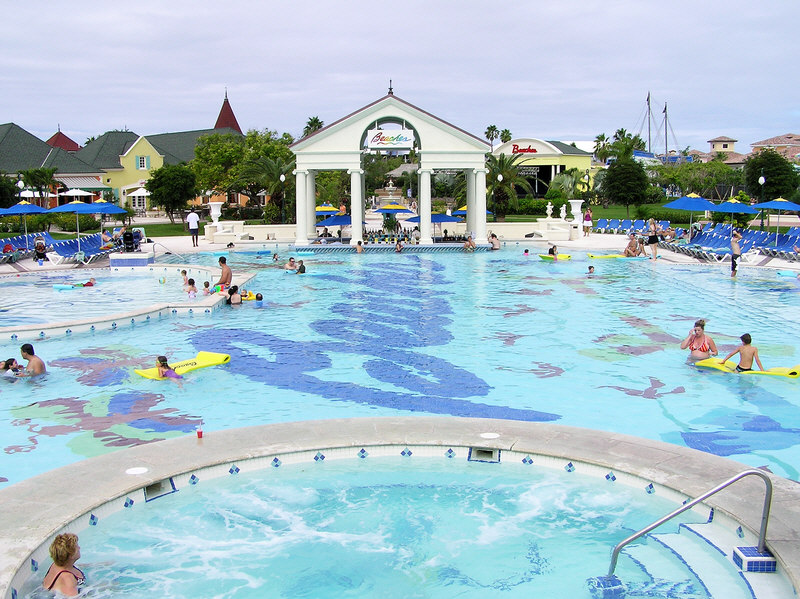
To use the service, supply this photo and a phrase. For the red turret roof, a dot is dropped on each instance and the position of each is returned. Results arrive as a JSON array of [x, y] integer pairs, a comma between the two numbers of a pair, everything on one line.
[[59, 140], [226, 117]]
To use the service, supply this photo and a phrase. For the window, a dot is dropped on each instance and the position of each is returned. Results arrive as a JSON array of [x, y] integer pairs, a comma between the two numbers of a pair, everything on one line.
[[142, 163], [139, 203], [724, 146]]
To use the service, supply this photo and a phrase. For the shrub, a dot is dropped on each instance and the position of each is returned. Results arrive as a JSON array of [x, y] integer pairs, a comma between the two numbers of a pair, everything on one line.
[[66, 222]]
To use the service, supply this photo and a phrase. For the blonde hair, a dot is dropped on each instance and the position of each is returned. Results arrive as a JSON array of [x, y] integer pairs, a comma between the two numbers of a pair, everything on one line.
[[701, 323], [63, 548]]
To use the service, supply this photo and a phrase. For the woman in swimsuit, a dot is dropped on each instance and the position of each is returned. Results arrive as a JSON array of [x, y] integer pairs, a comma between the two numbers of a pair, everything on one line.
[[63, 577], [701, 345], [652, 239]]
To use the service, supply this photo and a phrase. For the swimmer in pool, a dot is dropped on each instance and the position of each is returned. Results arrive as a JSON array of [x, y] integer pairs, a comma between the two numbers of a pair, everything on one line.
[[90, 283], [191, 289], [165, 371], [747, 353], [701, 345], [63, 577]]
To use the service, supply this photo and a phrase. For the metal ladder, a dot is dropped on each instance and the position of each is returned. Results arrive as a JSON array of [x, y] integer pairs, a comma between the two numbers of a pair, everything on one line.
[[169, 251], [762, 535]]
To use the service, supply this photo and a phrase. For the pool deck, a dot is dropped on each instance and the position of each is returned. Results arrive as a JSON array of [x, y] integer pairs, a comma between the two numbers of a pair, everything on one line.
[[43, 505]]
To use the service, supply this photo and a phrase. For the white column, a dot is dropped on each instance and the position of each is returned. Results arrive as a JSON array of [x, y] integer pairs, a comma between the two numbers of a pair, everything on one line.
[[356, 206], [311, 194], [424, 207], [480, 206], [469, 175], [301, 211]]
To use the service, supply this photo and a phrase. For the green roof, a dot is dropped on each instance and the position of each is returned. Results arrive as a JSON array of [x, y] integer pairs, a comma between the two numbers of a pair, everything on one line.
[[104, 152], [179, 147], [20, 150], [568, 149]]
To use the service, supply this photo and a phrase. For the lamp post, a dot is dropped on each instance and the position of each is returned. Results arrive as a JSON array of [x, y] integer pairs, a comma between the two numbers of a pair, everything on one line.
[[283, 195], [20, 187], [494, 199], [761, 181]]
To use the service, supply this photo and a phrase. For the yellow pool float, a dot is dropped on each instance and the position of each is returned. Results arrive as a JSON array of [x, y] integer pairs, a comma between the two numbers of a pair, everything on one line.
[[203, 359], [730, 366], [551, 257]]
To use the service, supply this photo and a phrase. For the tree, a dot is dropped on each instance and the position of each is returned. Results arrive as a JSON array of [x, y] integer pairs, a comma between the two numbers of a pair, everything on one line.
[[780, 177], [491, 134], [264, 173], [171, 187], [625, 183], [571, 182], [712, 180], [313, 124], [624, 144], [41, 180], [216, 162], [502, 180], [602, 149], [505, 136], [8, 191]]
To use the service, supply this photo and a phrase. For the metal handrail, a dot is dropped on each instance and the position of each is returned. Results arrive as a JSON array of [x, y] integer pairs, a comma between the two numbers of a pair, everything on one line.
[[169, 251], [762, 535]]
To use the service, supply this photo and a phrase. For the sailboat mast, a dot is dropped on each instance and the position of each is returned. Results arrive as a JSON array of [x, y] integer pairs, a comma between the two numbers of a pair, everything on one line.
[[666, 129], [649, 118]]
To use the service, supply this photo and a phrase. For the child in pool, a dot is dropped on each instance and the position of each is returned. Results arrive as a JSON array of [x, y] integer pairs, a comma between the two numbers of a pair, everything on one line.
[[191, 289], [747, 353], [165, 371], [207, 288], [185, 280]]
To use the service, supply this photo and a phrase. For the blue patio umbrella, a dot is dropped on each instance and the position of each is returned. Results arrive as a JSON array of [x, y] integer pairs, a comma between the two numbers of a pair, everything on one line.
[[24, 208], [336, 220], [779, 204], [77, 207], [691, 203], [436, 217], [735, 207]]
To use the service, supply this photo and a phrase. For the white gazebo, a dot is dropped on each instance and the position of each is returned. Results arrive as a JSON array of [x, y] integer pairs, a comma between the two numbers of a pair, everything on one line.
[[438, 145]]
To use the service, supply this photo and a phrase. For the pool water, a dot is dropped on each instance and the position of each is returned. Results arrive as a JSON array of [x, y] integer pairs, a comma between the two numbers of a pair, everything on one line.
[[493, 335], [383, 527], [31, 298]]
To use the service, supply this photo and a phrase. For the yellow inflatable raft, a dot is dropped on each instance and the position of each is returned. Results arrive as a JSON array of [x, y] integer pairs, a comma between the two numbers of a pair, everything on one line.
[[730, 366], [617, 256], [560, 257], [203, 359]]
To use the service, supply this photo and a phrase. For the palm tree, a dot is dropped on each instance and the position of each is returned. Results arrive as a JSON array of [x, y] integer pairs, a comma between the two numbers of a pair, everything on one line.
[[264, 174], [313, 124], [505, 136], [502, 180], [491, 134], [602, 151], [571, 182]]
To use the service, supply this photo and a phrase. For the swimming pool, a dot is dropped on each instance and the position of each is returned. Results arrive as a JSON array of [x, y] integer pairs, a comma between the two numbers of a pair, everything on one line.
[[490, 335], [39, 298]]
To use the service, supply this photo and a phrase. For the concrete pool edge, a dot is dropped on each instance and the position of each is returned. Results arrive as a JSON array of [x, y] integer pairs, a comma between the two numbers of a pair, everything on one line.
[[37, 508]]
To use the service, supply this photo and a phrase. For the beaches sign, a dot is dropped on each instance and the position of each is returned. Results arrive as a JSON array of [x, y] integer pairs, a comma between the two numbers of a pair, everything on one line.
[[394, 139]]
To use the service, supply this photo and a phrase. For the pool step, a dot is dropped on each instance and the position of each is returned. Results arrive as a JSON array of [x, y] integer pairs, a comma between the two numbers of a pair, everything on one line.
[[711, 563]]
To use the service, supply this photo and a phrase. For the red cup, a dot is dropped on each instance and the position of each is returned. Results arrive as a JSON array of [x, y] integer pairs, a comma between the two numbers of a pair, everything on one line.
[[199, 433]]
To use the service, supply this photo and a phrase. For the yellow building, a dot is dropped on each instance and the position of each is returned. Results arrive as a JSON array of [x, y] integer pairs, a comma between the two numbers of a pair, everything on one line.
[[543, 160]]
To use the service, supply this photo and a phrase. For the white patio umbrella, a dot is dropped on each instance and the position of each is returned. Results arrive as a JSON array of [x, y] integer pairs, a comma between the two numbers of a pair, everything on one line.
[[77, 193]]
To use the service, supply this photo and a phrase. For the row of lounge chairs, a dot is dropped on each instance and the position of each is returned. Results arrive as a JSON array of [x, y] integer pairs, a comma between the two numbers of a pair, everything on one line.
[[41, 245], [713, 243], [616, 225]]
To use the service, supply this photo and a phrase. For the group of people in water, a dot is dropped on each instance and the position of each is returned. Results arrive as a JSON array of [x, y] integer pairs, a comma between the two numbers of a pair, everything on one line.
[[34, 367], [702, 347]]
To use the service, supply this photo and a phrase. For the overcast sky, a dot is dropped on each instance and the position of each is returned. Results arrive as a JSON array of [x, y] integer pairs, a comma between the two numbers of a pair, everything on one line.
[[563, 70]]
